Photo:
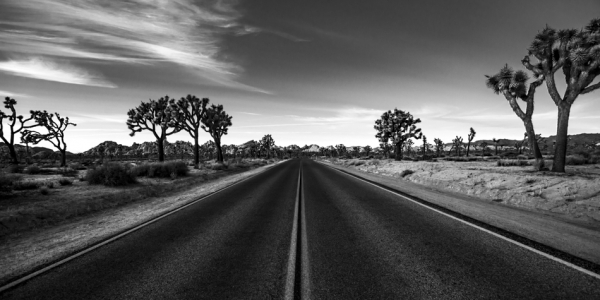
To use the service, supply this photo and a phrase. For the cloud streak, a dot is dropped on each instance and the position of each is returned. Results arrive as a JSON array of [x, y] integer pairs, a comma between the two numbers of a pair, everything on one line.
[[51, 71], [183, 32]]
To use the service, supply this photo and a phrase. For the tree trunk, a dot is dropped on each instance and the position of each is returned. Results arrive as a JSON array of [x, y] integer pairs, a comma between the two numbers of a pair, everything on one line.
[[13, 154], [533, 145], [496, 149], [63, 158], [398, 151], [196, 151], [468, 146], [560, 151], [219, 151], [161, 150]]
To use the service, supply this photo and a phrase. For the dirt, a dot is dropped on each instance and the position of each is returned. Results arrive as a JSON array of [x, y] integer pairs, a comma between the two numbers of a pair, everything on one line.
[[575, 194]]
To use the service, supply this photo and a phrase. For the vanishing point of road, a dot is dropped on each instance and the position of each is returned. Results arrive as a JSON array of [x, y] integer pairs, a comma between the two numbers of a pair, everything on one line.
[[302, 230]]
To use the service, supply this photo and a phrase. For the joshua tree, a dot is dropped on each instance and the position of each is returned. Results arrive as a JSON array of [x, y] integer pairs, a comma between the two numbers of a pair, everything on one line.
[[191, 109], [408, 145], [367, 150], [439, 146], [424, 145], [495, 145], [470, 138], [267, 143], [341, 149], [216, 122], [14, 128], [519, 146], [483, 146], [55, 132], [577, 53], [513, 86], [156, 116], [397, 126], [457, 143]]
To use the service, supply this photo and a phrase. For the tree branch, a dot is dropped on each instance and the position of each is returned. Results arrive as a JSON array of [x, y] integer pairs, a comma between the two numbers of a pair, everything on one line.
[[590, 88]]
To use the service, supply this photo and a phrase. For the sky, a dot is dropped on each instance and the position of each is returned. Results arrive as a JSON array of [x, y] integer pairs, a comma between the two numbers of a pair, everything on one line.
[[306, 72]]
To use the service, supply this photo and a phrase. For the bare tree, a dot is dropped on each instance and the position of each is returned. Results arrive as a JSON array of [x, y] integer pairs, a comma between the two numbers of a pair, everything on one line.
[[216, 122], [13, 127], [55, 126], [156, 116], [191, 109]]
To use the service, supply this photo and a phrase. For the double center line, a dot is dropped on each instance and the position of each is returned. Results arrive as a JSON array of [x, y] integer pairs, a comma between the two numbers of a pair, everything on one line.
[[297, 280]]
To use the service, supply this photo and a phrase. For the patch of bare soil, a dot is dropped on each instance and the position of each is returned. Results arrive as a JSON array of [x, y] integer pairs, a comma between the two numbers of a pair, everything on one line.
[[575, 194]]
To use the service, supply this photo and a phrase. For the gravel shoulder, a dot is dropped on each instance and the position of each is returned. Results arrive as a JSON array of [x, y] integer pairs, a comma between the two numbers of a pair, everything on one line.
[[576, 236]]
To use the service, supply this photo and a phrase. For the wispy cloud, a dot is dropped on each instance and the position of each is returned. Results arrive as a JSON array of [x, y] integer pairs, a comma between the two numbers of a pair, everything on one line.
[[248, 113], [44, 69], [11, 94], [183, 32], [343, 115]]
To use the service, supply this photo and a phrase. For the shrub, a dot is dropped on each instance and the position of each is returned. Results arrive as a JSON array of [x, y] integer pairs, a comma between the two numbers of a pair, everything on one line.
[[13, 169], [7, 180], [76, 166], [24, 185], [110, 175], [575, 160], [161, 169], [539, 166], [68, 172], [223, 166], [33, 169], [65, 181], [49, 184], [406, 173], [44, 190], [584, 154], [512, 163]]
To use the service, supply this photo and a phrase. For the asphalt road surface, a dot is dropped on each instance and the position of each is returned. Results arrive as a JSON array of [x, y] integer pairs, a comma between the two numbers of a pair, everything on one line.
[[353, 241]]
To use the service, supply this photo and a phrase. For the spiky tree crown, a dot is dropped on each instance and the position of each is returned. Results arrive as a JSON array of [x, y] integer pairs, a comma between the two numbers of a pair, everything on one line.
[[397, 126], [267, 142], [509, 82], [162, 112], [471, 134], [191, 109], [216, 121]]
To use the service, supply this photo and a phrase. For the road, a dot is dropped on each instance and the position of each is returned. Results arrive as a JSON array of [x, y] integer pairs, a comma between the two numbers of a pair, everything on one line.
[[353, 241]]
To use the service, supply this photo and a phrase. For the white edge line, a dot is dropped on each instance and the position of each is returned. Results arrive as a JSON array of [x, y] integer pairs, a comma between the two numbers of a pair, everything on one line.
[[304, 248], [566, 263], [291, 266], [112, 239]]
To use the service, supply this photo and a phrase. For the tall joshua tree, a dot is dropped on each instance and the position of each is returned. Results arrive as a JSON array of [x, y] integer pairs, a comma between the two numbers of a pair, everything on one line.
[[495, 145], [513, 85], [470, 137], [161, 117], [457, 143], [55, 126], [191, 109], [577, 53], [267, 143], [13, 127], [397, 126], [439, 146], [424, 145], [216, 122]]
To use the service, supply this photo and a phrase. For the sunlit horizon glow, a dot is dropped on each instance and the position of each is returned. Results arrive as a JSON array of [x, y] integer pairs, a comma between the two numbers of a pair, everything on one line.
[[306, 72]]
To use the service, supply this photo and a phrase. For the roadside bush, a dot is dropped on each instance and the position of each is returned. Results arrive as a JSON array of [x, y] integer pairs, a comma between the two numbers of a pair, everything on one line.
[[65, 181], [14, 169], [32, 170], [574, 160], [512, 163], [44, 190], [24, 185], [161, 169], [406, 173], [110, 175]]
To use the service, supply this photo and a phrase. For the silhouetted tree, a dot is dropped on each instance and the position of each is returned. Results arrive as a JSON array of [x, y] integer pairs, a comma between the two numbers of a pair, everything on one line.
[[13, 127], [457, 143], [470, 138], [216, 122], [156, 116], [191, 109], [267, 143], [495, 145], [55, 127], [397, 126], [439, 146], [424, 145], [577, 53], [513, 86], [367, 150], [483, 146]]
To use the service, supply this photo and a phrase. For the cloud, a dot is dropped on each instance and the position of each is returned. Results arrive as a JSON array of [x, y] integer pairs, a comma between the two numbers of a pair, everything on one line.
[[44, 69], [11, 94], [184, 32], [344, 115]]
